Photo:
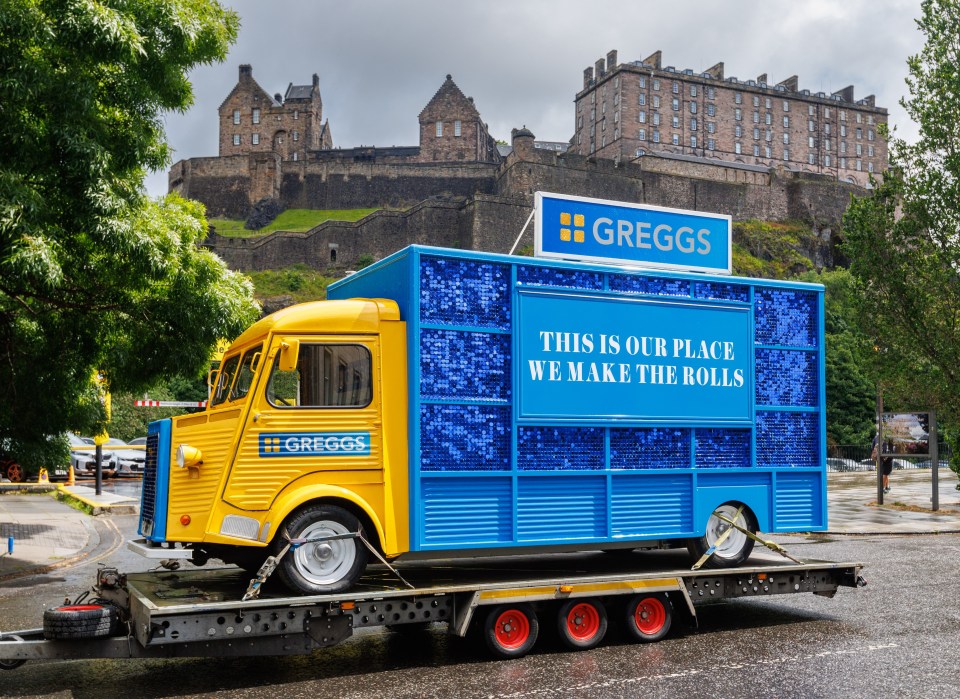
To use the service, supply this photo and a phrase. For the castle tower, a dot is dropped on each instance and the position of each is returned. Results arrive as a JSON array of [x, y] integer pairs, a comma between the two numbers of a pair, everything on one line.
[[290, 125], [451, 129]]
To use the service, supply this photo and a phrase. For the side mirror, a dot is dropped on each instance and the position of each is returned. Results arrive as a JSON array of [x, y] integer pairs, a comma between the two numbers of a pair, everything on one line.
[[289, 355]]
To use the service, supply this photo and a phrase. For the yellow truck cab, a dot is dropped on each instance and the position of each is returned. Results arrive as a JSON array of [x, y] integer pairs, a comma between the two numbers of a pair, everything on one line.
[[301, 430]]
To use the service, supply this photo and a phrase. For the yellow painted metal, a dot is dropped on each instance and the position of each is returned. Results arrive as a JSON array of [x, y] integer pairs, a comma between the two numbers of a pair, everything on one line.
[[232, 478], [564, 590]]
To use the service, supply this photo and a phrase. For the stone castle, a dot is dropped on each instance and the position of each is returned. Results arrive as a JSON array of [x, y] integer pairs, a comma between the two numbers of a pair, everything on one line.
[[458, 187]]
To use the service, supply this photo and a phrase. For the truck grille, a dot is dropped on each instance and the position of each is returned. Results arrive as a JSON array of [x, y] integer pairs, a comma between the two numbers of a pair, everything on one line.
[[148, 497], [156, 482]]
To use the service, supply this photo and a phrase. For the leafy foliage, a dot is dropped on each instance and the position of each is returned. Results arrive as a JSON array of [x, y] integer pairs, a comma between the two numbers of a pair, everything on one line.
[[772, 250], [300, 282], [903, 239], [93, 275]]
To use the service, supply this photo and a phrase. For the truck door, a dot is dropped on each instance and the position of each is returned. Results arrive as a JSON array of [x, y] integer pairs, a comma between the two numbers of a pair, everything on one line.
[[320, 419]]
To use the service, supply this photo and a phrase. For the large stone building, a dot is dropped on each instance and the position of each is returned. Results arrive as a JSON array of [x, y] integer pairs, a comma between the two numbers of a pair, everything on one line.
[[251, 121], [626, 110]]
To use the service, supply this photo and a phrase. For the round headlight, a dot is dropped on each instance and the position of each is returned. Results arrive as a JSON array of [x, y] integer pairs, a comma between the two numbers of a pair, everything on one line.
[[188, 456]]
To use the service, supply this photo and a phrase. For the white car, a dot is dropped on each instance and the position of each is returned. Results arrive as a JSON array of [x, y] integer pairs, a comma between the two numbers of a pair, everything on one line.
[[837, 464], [130, 456], [83, 457]]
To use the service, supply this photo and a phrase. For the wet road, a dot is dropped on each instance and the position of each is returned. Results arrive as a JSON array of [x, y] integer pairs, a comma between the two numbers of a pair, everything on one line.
[[899, 636]]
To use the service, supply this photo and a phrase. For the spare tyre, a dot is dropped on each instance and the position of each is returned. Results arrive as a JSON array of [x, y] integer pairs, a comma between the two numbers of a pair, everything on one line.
[[80, 621]]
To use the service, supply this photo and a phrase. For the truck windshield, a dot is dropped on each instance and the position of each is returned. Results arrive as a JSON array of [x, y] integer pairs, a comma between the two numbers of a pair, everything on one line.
[[236, 375]]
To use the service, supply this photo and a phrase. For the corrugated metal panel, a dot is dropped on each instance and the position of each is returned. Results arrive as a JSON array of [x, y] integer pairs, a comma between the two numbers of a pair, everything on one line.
[[798, 499], [466, 511], [652, 505], [561, 508], [148, 495]]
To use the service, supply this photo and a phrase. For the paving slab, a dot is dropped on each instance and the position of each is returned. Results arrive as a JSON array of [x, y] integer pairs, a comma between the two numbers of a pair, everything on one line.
[[47, 534]]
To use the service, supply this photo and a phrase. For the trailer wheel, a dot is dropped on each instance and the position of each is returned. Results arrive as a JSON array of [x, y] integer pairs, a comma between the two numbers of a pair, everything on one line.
[[649, 617], [324, 566], [9, 664], [735, 549], [511, 630], [582, 623], [80, 621]]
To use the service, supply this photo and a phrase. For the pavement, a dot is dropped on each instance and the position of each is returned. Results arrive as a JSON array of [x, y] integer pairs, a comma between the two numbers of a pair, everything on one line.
[[48, 533]]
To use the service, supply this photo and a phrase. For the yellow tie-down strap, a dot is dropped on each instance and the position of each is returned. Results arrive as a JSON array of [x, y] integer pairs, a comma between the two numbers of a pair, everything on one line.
[[564, 591]]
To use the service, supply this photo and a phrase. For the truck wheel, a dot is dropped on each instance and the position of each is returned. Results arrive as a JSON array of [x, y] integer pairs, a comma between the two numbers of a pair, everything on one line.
[[80, 621], [582, 623], [323, 566], [735, 549], [511, 630], [14, 472], [649, 617]]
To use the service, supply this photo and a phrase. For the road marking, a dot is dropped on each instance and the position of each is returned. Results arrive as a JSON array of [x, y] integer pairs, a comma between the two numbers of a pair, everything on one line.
[[573, 690]]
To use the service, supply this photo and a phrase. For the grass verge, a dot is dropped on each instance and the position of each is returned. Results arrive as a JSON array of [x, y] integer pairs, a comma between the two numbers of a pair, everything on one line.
[[294, 220]]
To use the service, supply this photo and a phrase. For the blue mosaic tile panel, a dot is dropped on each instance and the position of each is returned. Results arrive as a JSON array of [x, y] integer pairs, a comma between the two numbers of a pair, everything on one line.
[[464, 438], [721, 448], [657, 447], [788, 439], [557, 448], [464, 365], [721, 292], [785, 317], [649, 285], [460, 292], [545, 276], [785, 377]]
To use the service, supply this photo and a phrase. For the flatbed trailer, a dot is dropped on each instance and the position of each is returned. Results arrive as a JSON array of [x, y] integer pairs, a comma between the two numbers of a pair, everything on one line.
[[199, 613]]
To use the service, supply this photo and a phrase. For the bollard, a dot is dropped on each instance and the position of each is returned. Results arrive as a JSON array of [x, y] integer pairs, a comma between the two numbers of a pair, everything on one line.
[[9, 545], [71, 476]]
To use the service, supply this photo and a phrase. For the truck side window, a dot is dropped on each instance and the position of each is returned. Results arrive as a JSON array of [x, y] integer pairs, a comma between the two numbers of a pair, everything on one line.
[[327, 376], [241, 386], [224, 379]]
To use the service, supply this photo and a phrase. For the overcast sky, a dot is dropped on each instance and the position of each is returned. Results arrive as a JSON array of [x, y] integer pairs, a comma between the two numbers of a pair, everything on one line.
[[380, 61]]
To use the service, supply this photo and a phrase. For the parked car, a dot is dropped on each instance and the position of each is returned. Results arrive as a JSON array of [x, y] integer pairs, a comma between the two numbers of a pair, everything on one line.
[[838, 464], [83, 457], [926, 463], [898, 464], [130, 457], [12, 470]]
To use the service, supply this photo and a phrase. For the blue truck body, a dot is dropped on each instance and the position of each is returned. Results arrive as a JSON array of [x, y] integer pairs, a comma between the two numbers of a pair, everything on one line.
[[558, 403]]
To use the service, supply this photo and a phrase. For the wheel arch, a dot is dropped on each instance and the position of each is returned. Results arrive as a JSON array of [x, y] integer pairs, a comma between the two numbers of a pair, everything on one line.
[[756, 504], [292, 502]]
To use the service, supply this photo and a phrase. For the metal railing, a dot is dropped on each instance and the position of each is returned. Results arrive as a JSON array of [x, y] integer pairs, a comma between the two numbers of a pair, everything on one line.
[[856, 457]]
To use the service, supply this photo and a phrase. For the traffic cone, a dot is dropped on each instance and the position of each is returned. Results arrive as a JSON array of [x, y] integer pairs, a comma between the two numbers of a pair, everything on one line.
[[71, 476], [43, 477]]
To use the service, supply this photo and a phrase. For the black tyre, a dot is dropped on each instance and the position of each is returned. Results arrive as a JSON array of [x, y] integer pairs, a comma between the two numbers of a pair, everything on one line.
[[510, 630], [582, 623], [732, 551], [325, 566], [80, 621], [649, 616]]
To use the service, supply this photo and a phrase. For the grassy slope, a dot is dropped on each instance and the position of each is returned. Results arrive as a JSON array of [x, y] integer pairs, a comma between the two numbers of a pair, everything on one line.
[[296, 220]]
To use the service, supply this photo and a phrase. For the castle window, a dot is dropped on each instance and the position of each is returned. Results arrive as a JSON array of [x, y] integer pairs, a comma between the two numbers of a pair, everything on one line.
[[869, 167], [255, 139], [843, 115], [756, 134], [296, 135], [616, 116], [711, 144], [643, 81], [656, 101], [676, 139], [296, 113], [693, 124], [693, 141], [756, 100], [859, 149], [811, 126], [870, 151], [642, 134], [693, 107], [693, 90], [786, 154], [737, 148], [256, 116], [786, 122], [676, 122], [826, 112], [656, 118], [439, 129], [738, 97], [756, 150], [656, 136], [756, 117], [869, 134], [859, 166], [711, 94], [768, 118], [236, 116], [859, 118], [676, 87], [810, 109], [843, 163], [766, 102], [826, 129], [711, 110], [457, 128], [769, 136], [711, 127], [786, 106], [810, 142], [738, 131], [843, 146], [859, 132], [656, 85], [767, 152], [642, 100], [295, 155], [236, 139], [737, 114], [642, 117], [826, 160], [811, 158], [786, 139], [826, 143]]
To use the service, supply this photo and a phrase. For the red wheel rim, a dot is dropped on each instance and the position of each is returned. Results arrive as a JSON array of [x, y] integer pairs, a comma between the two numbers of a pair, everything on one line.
[[80, 608], [512, 629], [14, 473], [649, 616], [583, 621]]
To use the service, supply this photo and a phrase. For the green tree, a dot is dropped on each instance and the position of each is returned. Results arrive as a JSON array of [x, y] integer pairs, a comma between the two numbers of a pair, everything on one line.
[[902, 240], [94, 276]]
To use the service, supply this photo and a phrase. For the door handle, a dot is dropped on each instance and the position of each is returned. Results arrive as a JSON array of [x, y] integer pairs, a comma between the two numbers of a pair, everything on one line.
[[258, 417]]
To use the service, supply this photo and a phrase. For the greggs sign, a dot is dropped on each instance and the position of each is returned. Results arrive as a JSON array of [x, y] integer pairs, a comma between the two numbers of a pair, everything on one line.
[[634, 235]]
